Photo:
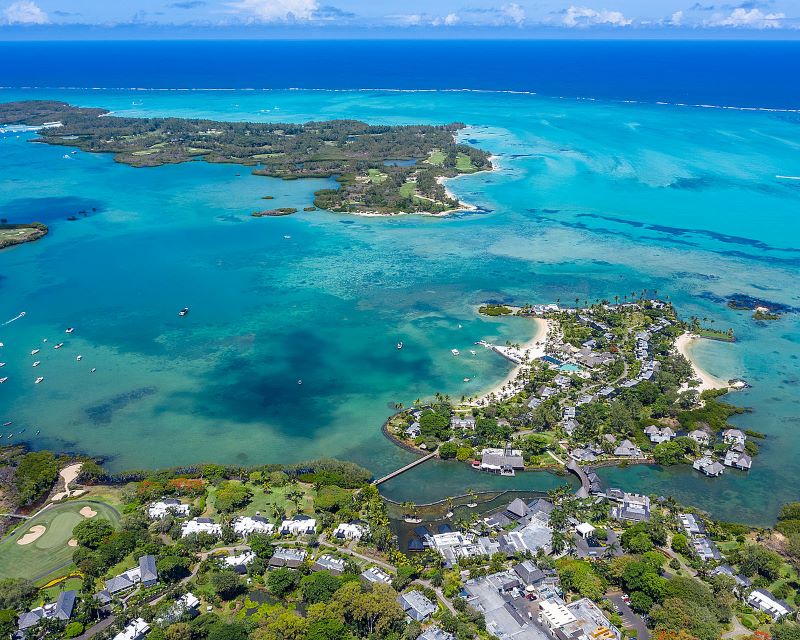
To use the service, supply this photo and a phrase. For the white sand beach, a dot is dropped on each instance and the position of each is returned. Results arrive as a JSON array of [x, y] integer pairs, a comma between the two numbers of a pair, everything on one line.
[[533, 349], [684, 344]]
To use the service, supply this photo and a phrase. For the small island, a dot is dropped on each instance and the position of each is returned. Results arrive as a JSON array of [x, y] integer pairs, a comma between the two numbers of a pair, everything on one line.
[[381, 169], [13, 234], [283, 211]]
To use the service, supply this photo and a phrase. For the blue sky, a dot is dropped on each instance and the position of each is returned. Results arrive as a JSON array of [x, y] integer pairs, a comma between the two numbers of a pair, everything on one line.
[[401, 18]]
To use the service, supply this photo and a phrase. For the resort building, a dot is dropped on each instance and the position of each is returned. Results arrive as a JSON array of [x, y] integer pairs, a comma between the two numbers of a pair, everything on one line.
[[413, 430], [167, 506], [201, 525], [351, 531], [734, 436], [298, 525], [633, 507], [502, 461], [328, 563], [454, 545], [763, 600], [416, 605], [238, 563], [186, 605], [245, 525], [705, 549], [61, 609], [627, 449], [286, 557], [709, 467], [134, 630], [703, 438], [737, 460], [144, 574], [657, 435], [691, 525], [579, 619], [462, 422], [376, 575]]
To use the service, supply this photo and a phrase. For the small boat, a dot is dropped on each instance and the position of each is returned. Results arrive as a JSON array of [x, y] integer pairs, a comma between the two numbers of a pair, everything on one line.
[[2, 380], [37, 363], [79, 358], [93, 370], [38, 431], [70, 330], [9, 436], [399, 345], [44, 339], [467, 379], [183, 311], [299, 382], [8, 424], [459, 326], [2, 364], [58, 346], [39, 380], [287, 237], [34, 352], [455, 352]]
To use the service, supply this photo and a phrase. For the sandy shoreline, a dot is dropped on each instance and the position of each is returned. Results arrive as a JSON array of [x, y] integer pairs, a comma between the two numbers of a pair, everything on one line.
[[684, 345], [533, 348]]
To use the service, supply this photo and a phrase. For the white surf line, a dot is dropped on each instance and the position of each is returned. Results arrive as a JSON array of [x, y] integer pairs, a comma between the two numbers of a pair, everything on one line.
[[788, 177], [21, 315]]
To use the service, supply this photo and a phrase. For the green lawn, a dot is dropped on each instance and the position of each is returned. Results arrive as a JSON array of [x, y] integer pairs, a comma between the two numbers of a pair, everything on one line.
[[377, 176], [51, 594], [50, 551], [264, 502], [436, 158], [464, 164], [407, 189]]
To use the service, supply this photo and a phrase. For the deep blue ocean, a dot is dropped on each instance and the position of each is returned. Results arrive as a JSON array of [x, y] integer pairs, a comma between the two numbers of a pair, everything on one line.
[[742, 74], [608, 182]]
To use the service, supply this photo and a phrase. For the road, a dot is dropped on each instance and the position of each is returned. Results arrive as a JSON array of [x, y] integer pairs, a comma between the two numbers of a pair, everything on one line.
[[631, 619]]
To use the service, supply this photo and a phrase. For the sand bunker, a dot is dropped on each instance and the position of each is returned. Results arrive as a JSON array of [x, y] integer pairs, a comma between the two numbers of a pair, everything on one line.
[[68, 474], [72, 542], [33, 534], [88, 512]]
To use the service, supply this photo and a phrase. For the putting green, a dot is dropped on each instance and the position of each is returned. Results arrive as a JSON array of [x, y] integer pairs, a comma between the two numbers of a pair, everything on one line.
[[50, 550]]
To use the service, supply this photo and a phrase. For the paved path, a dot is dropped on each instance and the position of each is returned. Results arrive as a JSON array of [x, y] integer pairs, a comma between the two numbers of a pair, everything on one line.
[[738, 630], [92, 631]]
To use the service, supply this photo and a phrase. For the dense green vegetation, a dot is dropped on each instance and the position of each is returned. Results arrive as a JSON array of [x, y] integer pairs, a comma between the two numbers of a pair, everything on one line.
[[362, 157], [34, 476], [495, 310], [11, 234]]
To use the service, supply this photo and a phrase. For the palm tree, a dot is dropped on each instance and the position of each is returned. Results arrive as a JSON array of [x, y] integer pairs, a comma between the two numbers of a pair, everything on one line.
[[279, 512]]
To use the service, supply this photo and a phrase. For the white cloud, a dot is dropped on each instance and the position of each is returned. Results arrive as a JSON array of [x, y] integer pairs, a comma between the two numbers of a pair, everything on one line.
[[25, 12], [448, 21], [276, 10], [584, 17], [751, 19], [513, 12], [677, 19]]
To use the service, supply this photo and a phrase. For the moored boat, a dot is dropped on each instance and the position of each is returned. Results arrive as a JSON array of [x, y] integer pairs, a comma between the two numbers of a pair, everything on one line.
[[183, 311], [39, 380]]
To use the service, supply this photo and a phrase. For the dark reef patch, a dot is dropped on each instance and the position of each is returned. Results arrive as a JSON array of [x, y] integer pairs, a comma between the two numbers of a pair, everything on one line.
[[103, 413]]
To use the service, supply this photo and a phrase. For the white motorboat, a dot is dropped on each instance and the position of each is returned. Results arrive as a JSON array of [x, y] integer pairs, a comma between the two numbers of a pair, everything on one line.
[[34, 352], [79, 358], [39, 379], [2, 380], [37, 363], [183, 311], [399, 345], [455, 352], [58, 346], [70, 330]]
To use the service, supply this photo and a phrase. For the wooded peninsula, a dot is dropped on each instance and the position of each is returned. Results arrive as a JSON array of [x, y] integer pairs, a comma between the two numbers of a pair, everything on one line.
[[381, 169]]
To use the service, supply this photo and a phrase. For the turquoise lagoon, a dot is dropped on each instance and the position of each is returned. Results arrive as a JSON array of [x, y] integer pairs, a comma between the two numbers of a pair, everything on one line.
[[591, 199]]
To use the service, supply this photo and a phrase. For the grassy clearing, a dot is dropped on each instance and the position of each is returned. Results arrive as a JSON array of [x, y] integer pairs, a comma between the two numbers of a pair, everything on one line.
[[377, 177], [112, 496], [50, 551], [264, 502], [464, 164], [407, 189], [50, 594], [436, 158]]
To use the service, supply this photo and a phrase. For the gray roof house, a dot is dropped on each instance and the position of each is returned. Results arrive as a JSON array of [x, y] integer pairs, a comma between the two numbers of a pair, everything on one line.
[[700, 436], [118, 583], [517, 509], [435, 633], [416, 605], [633, 508], [61, 609], [287, 557], [328, 563], [148, 571], [627, 449]]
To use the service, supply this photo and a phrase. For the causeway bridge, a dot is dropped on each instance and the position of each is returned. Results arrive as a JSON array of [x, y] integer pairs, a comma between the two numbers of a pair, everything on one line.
[[402, 470]]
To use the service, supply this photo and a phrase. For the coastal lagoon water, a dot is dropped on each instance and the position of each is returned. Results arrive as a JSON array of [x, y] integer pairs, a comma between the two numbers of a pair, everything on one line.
[[590, 200]]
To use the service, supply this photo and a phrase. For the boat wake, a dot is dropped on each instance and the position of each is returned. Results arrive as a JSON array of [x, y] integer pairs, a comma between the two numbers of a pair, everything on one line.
[[21, 315]]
